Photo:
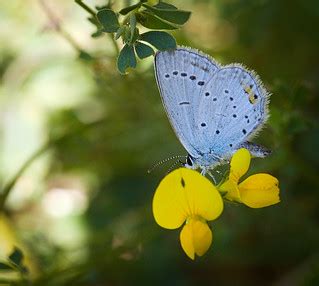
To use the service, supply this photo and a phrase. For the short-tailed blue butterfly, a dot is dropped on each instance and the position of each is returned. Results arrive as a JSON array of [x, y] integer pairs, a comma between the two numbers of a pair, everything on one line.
[[213, 109]]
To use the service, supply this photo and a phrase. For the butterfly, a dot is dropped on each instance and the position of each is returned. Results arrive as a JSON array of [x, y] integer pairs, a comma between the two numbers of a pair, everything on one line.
[[213, 109]]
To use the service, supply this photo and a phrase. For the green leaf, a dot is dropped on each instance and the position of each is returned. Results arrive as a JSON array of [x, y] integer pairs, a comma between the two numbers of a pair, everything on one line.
[[132, 25], [160, 40], [126, 59], [119, 32], [94, 21], [83, 55], [163, 5], [5, 266], [135, 36], [109, 20], [150, 21], [175, 16], [143, 51], [128, 9], [129, 37], [97, 34], [16, 256], [103, 7]]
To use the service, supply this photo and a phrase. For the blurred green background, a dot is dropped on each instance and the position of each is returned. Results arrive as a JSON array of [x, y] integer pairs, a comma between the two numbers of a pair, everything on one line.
[[81, 212]]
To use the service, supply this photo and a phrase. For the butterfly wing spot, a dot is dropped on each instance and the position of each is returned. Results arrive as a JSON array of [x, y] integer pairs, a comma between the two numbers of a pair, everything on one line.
[[252, 98], [251, 95], [205, 69], [223, 105], [167, 75]]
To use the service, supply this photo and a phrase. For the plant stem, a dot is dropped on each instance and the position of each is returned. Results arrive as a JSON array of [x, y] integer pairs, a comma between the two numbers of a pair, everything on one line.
[[93, 13], [85, 7], [55, 22], [8, 187], [114, 43]]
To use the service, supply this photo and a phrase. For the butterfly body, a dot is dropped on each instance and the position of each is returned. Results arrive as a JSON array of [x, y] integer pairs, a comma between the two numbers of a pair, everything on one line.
[[213, 109]]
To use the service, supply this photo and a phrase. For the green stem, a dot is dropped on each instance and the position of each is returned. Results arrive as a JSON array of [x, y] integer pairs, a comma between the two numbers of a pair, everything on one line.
[[57, 26], [93, 13], [8, 187], [114, 43], [85, 7]]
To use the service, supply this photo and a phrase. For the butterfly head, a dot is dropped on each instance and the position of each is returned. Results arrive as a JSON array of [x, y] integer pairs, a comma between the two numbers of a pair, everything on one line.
[[190, 162]]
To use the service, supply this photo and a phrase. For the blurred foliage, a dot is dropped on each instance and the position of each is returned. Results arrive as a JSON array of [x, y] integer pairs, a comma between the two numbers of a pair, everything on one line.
[[161, 16], [81, 212]]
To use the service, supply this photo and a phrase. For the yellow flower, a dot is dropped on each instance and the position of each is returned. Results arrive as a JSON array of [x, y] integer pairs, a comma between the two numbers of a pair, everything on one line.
[[257, 191], [186, 196]]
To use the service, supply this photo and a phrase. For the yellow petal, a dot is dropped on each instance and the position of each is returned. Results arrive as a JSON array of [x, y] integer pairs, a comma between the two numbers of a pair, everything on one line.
[[185, 193], [239, 164], [231, 189], [186, 237], [260, 190], [196, 238]]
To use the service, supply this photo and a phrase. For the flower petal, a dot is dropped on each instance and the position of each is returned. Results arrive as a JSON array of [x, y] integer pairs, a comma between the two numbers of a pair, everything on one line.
[[231, 189], [260, 190], [196, 238], [239, 164], [184, 193], [186, 237]]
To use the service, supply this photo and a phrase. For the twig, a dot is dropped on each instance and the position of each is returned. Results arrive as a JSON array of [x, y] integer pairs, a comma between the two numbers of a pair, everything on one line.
[[85, 7], [55, 22], [93, 14]]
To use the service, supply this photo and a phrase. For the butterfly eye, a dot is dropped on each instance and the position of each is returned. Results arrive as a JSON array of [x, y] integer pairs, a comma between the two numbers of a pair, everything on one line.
[[189, 161]]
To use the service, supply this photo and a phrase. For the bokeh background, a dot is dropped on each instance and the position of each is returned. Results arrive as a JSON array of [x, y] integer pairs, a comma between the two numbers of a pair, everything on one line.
[[81, 212]]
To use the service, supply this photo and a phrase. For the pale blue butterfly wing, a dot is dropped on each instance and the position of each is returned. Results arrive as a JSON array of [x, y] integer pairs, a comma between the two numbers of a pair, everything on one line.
[[233, 110], [180, 75], [214, 110]]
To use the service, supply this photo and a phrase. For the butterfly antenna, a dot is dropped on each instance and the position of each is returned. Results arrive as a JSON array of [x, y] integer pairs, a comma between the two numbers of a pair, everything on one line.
[[164, 161], [173, 166]]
